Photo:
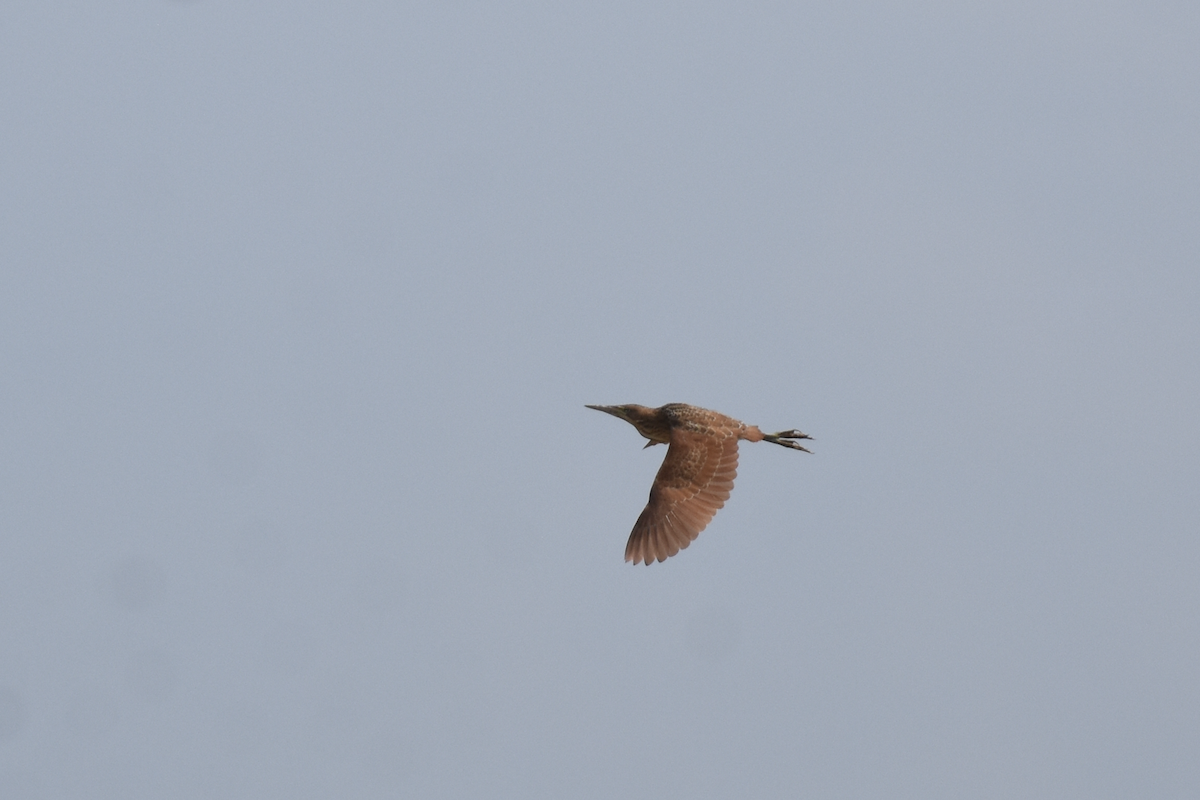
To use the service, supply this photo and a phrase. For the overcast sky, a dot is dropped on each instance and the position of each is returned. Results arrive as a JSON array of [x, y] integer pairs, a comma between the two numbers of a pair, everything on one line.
[[300, 304]]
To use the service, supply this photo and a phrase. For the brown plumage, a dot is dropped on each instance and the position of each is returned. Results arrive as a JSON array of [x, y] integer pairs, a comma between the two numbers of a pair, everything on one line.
[[696, 476]]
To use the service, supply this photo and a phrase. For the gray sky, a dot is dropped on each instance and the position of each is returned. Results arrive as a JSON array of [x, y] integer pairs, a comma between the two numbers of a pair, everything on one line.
[[300, 304]]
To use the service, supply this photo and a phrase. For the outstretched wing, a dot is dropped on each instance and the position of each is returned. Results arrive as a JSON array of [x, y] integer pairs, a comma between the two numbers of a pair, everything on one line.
[[693, 482]]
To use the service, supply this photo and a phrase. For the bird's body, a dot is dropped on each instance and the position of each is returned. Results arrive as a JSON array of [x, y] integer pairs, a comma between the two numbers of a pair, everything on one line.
[[696, 476]]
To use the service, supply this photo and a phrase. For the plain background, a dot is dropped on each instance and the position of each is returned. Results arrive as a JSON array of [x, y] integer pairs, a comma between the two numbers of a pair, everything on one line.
[[300, 304]]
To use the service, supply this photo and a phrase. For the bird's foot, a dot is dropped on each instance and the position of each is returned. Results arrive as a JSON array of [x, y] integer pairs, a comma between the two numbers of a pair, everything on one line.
[[784, 438]]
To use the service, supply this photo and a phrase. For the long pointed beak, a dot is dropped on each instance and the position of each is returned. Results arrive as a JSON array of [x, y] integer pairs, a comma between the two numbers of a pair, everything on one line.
[[614, 410]]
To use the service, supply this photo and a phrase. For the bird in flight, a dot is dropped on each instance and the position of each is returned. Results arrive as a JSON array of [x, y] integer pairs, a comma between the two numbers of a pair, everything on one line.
[[695, 477]]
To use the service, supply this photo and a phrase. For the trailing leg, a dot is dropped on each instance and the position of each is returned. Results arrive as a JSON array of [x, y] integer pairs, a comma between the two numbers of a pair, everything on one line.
[[785, 439]]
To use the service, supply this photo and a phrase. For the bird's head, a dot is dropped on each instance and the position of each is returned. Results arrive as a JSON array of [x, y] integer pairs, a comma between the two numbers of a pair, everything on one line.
[[648, 421]]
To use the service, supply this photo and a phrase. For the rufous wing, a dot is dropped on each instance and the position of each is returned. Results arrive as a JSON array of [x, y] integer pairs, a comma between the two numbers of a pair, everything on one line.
[[694, 481]]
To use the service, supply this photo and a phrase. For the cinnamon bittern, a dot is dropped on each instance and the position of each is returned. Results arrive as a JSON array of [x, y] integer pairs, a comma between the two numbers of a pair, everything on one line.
[[696, 475]]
